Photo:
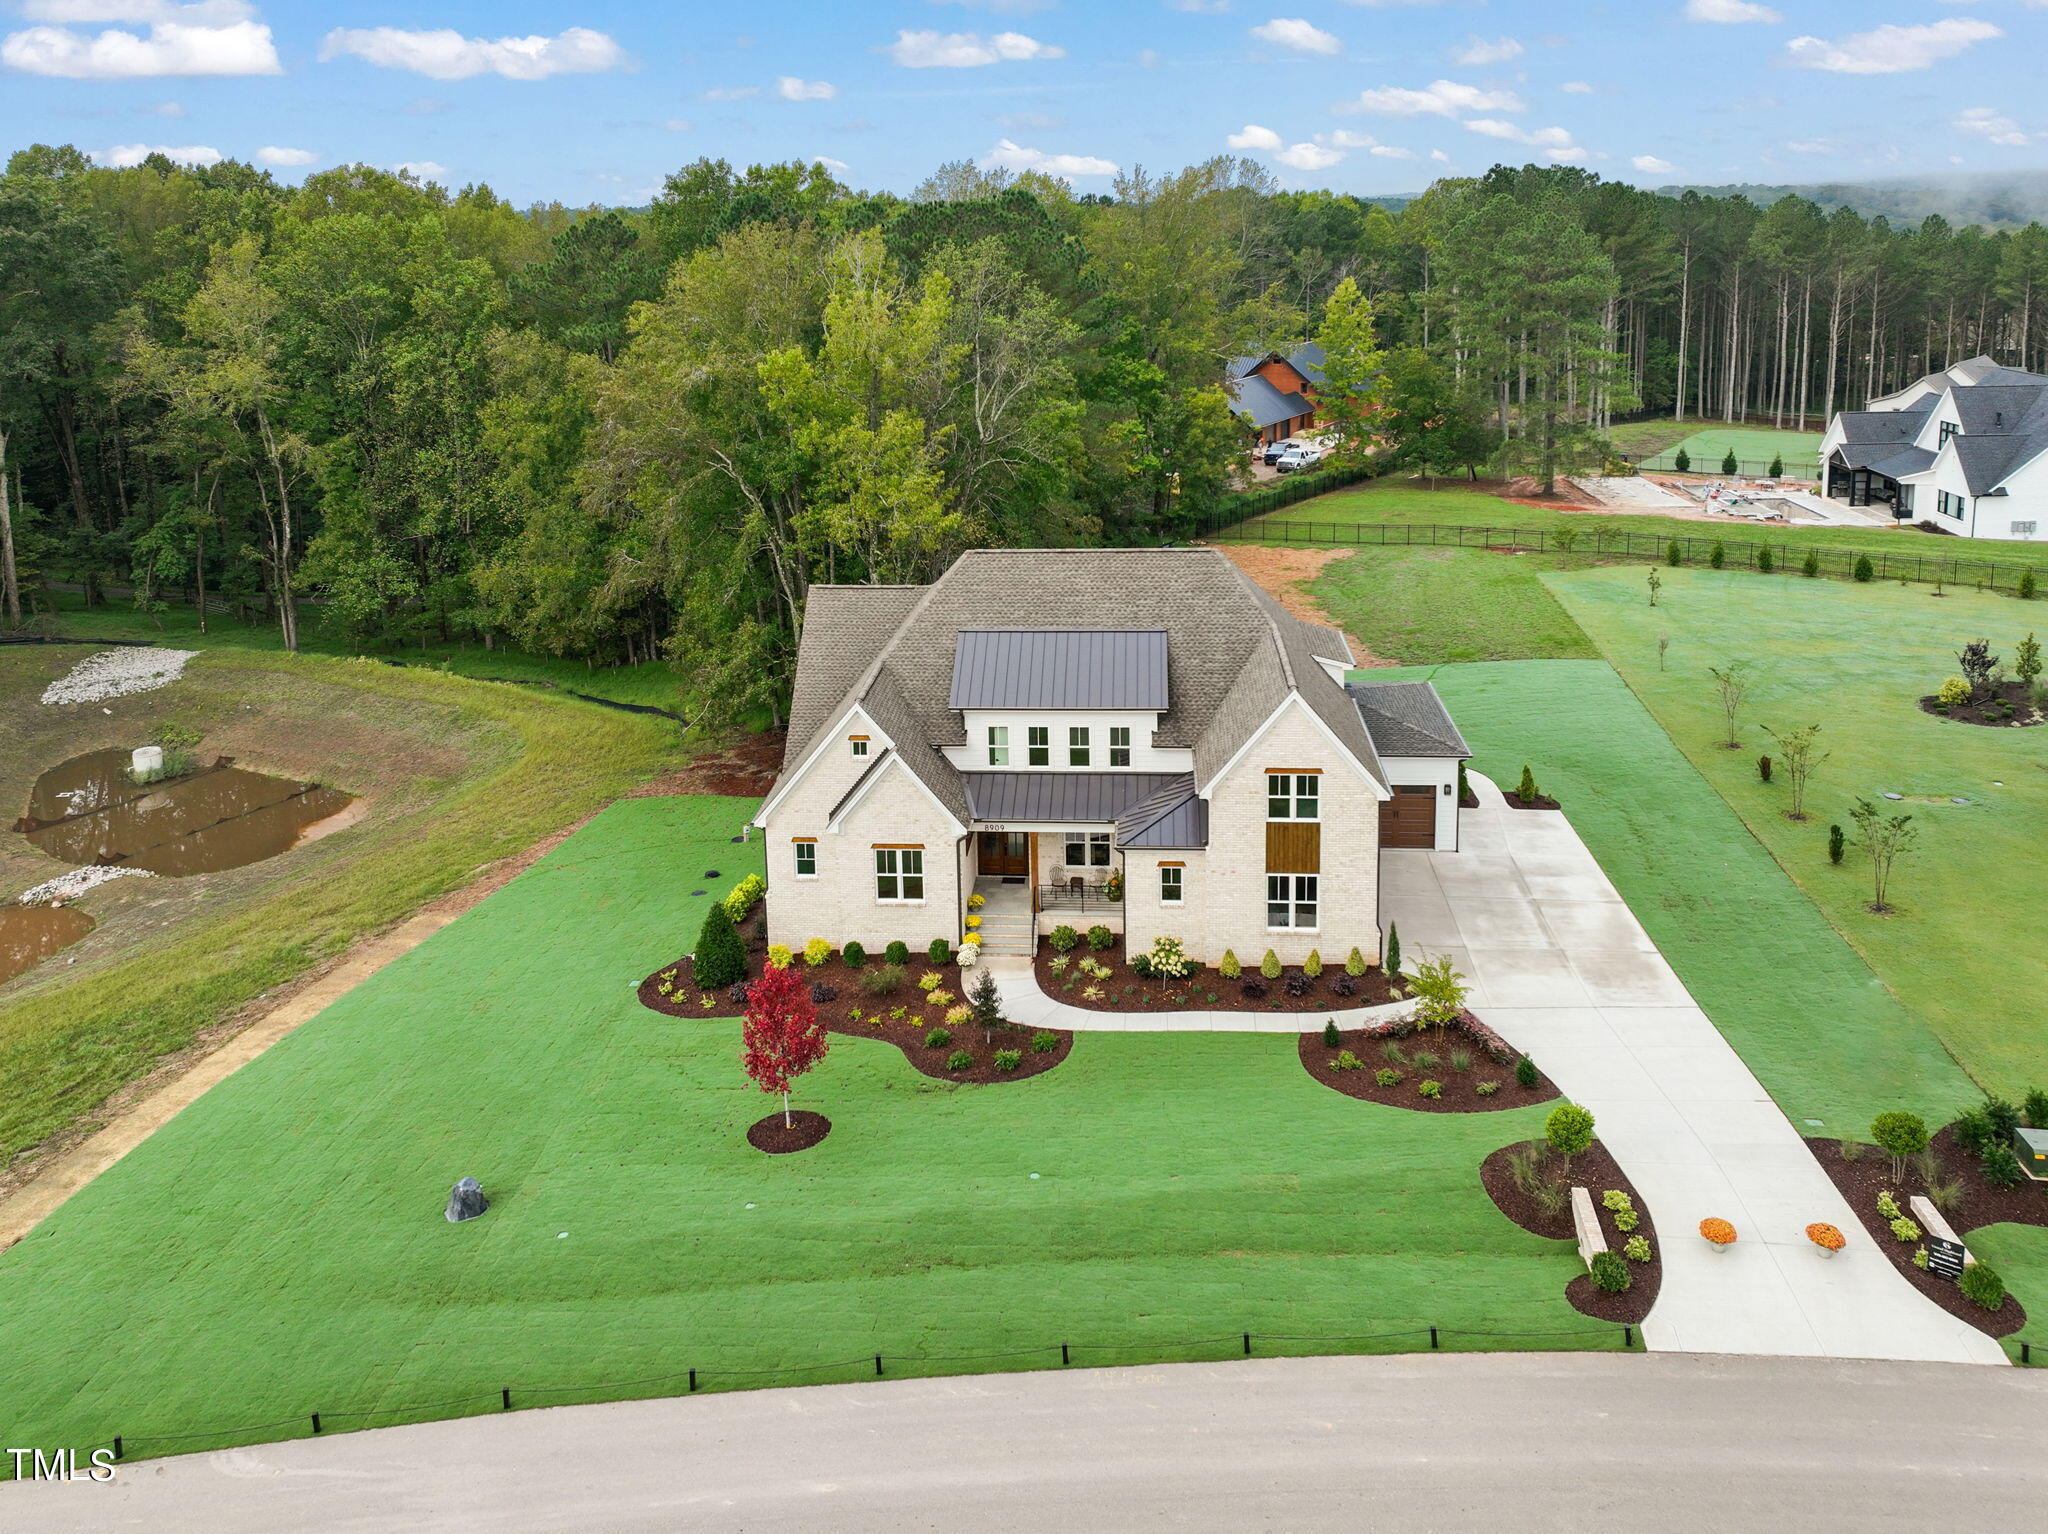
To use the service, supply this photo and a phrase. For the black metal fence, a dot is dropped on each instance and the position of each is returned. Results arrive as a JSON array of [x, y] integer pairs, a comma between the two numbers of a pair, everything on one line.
[[1054, 1355], [1589, 538]]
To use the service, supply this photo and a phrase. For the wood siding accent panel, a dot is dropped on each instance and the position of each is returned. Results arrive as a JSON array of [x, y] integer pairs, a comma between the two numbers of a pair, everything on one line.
[[1294, 847]]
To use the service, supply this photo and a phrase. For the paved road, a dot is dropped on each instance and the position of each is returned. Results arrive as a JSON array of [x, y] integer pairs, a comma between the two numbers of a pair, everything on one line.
[[1448, 1441]]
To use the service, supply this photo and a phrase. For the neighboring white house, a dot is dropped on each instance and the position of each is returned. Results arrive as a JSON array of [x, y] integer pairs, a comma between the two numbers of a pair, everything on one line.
[[1964, 450], [1036, 720]]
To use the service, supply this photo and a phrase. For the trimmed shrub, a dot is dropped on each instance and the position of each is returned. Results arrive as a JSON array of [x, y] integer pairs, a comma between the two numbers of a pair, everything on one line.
[[1683, 462], [1008, 1059], [1838, 844], [1982, 1287], [1526, 1076], [2005, 1118], [959, 1060], [938, 1038], [1777, 470], [720, 959], [1312, 966], [816, 952], [1674, 556], [1610, 1272], [1141, 965], [1331, 1037], [1269, 966], [2002, 1167], [779, 955], [1230, 969], [1763, 767], [1063, 938], [1044, 1042], [1431, 1089], [897, 953], [1765, 563], [854, 955], [1899, 1135], [1717, 556], [1569, 1129], [1729, 463], [1526, 790], [941, 951], [1864, 571], [1100, 938], [2036, 1108], [1354, 964], [1387, 1076], [2026, 585], [744, 895], [1347, 1061], [1810, 566]]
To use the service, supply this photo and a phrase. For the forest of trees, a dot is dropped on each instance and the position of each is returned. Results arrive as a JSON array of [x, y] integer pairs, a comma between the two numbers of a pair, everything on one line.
[[408, 414]]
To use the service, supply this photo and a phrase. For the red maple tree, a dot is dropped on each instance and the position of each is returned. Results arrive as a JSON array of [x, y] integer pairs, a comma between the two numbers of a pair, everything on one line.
[[783, 1034]]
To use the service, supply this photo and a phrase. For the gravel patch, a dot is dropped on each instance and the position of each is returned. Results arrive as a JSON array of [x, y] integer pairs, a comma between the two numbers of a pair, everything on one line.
[[69, 886], [116, 674]]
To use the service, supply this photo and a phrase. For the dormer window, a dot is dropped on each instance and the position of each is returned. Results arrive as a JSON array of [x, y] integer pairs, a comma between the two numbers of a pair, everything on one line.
[[1948, 429], [859, 744], [1038, 745], [999, 745], [1119, 745], [1077, 746]]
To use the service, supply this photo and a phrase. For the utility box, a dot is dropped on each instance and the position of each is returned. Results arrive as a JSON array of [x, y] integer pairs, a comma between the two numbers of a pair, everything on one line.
[[2032, 1146]]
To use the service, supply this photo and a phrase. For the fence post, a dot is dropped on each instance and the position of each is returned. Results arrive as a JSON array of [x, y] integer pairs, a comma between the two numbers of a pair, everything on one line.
[[878, 1364], [1432, 1337], [316, 1422], [1247, 1344]]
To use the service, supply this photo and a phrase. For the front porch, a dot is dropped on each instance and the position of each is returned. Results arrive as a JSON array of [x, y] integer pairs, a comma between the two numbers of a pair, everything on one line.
[[1015, 913]]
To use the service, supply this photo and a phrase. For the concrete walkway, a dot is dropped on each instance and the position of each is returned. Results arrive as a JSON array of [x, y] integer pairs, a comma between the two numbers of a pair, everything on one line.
[[1561, 969]]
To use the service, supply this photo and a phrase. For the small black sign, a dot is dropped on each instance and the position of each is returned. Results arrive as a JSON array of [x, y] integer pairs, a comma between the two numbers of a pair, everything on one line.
[[1945, 1258]]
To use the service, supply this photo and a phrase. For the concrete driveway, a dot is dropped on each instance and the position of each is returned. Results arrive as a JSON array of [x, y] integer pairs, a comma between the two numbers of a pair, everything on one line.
[[1563, 970]]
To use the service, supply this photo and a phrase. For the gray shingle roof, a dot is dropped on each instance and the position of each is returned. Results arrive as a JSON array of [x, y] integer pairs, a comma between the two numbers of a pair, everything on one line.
[[1060, 668], [2003, 413], [1252, 397], [845, 628], [1071, 797], [1886, 458], [1408, 719], [1861, 427]]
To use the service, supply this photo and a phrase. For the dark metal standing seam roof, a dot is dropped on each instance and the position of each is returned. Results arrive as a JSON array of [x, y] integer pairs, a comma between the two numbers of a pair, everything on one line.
[[1060, 668], [1265, 405], [1174, 817], [1060, 796]]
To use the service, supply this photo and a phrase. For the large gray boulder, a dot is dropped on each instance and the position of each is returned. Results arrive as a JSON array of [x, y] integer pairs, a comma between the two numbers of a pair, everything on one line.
[[466, 1200]]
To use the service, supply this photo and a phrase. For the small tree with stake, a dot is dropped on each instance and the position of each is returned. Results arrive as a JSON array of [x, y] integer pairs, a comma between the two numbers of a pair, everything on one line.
[[1732, 682], [1798, 755], [784, 1036], [1978, 663], [1899, 1135], [1886, 838]]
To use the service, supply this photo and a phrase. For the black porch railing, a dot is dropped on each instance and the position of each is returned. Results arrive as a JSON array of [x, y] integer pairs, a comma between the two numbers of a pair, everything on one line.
[[1076, 897]]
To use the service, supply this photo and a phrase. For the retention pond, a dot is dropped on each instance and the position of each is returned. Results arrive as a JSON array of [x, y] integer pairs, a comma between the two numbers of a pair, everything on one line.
[[29, 934]]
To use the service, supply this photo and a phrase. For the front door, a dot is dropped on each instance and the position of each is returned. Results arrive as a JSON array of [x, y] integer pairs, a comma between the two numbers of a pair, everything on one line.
[[1409, 818], [1006, 854]]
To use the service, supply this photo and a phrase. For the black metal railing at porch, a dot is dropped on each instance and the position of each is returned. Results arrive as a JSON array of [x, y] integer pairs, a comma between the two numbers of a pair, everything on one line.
[[1076, 896]]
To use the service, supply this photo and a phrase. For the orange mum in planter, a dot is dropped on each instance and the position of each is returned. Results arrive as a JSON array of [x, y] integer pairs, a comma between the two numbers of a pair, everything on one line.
[[1826, 1237], [1718, 1231]]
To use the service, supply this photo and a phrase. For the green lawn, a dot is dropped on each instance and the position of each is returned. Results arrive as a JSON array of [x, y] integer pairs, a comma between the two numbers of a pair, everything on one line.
[[279, 1248], [1965, 952], [653, 683], [1827, 1040], [1754, 448], [1426, 606]]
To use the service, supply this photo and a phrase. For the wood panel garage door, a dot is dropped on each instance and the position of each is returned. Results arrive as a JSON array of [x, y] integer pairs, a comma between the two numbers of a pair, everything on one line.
[[1409, 818]]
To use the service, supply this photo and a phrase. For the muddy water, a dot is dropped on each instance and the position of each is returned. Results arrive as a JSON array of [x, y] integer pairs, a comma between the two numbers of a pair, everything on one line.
[[86, 811], [29, 934]]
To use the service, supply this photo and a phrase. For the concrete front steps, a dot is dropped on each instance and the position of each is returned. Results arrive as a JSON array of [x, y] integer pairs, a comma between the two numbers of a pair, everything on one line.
[[1009, 934]]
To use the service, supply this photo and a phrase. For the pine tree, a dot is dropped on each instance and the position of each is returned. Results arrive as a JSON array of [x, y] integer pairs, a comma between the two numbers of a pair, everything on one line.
[[1683, 462], [1729, 465], [1526, 790], [1837, 844], [1810, 566], [1764, 562], [1718, 555], [1393, 948], [1777, 466], [1865, 571], [720, 960]]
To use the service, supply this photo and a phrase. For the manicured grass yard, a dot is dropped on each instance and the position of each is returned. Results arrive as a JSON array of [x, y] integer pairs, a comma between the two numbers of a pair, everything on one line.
[[1753, 446], [279, 1248], [1966, 951], [1827, 1040], [1426, 606]]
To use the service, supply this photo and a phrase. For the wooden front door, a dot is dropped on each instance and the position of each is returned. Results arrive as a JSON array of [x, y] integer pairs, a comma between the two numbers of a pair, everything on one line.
[[1006, 854], [1409, 818]]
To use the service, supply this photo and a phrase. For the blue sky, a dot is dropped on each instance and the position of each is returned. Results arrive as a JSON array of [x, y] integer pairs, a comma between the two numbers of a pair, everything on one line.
[[594, 100]]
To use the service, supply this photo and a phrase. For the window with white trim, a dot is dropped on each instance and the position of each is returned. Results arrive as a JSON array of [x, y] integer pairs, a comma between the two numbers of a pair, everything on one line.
[[999, 745], [1077, 746], [1119, 745], [1948, 429], [1949, 505], [1038, 745], [1291, 902], [899, 874], [859, 744], [1170, 883], [1293, 796], [807, 860], [1087, 849]]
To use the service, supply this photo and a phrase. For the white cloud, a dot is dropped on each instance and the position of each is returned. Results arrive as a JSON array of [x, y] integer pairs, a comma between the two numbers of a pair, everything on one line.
[[731, 92], [1651, 165], [1438, 154], [277, 154], [1392, 152], [1344, 138], [1729, 11], [1255, 137], [679, 125], [1479, 52], [965, 50], [1293, 32], [1009, 155], [424, 170], [790, 88], [1995, 126], [171, 48], [1309, 156], [128, 156], [829, 163], [1891, 50], [1443, 98], [1556, 143], [1576, 88], [445, 54]]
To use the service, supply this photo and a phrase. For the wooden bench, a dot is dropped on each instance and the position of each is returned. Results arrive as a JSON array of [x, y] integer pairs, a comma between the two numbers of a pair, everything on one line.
[[1586, 1226], [1932, 1224]]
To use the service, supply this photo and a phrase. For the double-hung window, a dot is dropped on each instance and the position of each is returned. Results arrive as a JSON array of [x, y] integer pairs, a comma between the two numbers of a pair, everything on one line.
[[859, 744], [999, 745], [1291, 902], [1077, 746], [807, 860], [1170, 883], [1119, 745], [1038, 745], [1293, 796], [1087, 849], [899, 873]]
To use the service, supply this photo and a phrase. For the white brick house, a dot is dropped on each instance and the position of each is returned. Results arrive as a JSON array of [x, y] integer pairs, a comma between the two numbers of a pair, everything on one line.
[[1035, 722]]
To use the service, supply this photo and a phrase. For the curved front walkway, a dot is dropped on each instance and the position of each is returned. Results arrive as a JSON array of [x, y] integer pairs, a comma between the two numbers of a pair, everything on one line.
[[1560, 968]]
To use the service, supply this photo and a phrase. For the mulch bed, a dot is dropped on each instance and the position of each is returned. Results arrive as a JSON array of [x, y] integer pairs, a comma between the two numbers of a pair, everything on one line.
[[803, 1130], [1126, 992], [1870, 1174], [1595, 1170], [1460, 1094], [907, 1033], [1540, 802], [2011, 701]]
